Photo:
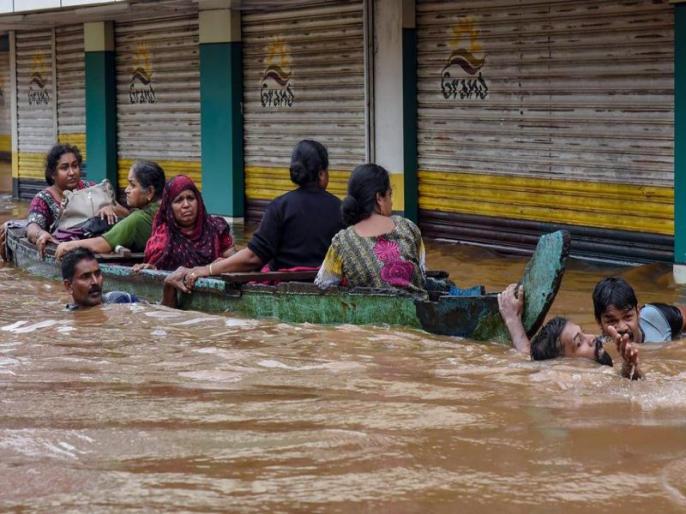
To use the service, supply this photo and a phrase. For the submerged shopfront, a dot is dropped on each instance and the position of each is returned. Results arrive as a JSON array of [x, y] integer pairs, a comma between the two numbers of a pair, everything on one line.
[[497, 120]]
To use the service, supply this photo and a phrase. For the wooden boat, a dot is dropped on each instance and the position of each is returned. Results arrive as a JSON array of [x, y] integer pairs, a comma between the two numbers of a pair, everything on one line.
[[473, 314]]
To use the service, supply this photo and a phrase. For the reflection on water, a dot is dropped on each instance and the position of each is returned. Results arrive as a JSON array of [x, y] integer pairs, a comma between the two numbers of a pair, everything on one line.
[[142, 408]]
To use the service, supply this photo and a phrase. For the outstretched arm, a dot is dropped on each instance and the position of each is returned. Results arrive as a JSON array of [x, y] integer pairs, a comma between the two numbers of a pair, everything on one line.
[[243, 260], [629, 353], [94, 244], [511, 305]]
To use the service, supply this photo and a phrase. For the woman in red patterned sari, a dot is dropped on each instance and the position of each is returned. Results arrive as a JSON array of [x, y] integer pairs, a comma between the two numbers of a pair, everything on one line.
[[183, 233]]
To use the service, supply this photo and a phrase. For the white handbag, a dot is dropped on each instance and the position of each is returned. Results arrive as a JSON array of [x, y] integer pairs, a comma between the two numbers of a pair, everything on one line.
[[82, 204]]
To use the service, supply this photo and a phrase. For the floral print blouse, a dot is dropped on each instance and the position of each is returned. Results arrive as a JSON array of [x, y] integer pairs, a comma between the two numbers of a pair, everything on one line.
[[393, 260], [44, 210]]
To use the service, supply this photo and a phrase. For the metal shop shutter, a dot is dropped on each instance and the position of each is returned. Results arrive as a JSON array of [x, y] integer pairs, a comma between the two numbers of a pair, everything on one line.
[[555, 113], [36, 128], [303, 77], [158, 95], [71, 86], [5, 107]]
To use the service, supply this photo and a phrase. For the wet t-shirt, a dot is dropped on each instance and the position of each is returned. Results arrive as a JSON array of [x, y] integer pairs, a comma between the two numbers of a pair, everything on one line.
[[111, 297], [660, 322]]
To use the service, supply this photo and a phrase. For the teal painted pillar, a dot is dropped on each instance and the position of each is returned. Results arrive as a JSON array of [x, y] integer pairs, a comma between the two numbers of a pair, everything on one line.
[[221, 121], [680, 133], [101, 101], [410, 120]]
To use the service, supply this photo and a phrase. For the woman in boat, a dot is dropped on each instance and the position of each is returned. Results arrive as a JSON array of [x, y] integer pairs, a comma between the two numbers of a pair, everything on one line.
[[296, 229], [143, 193], [62, 173], [376, 250], [183, 233]]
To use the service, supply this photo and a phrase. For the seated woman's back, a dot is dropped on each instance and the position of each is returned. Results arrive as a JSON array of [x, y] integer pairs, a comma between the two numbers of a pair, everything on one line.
[[297, 227], [376, 250]]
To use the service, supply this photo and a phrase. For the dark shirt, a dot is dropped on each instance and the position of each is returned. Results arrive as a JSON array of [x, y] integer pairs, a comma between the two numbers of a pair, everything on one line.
[[297, 229], [111, 297]]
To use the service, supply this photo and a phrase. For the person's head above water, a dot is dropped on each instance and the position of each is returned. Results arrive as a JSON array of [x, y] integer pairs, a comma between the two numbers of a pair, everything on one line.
[[82, 277], [369, 191], [615, 305], [310, 164], [563, 338]]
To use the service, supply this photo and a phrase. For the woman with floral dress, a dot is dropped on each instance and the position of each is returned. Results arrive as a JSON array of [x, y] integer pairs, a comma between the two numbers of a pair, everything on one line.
[[377, 249], [62, 173]]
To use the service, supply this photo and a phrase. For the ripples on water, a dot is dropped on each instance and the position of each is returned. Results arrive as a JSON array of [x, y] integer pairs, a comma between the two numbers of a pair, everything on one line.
[[142, 408]]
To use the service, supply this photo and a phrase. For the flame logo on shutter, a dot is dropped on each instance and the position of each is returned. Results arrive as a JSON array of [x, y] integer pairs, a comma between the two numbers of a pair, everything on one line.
[[141, 90], [276, 88], [38, 93], [467, 55]]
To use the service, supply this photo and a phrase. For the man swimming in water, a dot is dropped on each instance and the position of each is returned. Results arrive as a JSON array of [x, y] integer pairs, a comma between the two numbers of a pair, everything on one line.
[[561, 337], [83, 281], [615, 305]]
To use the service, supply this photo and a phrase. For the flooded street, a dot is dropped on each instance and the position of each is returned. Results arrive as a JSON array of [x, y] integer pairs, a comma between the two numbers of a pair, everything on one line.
[[139, 408]]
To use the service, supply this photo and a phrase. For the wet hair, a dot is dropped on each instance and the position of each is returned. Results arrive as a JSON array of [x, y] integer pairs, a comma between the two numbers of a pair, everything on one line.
[[150, 174], [365, 182], [72, 258], [307, 160], [53, 158], [547, 344], [613, 291]]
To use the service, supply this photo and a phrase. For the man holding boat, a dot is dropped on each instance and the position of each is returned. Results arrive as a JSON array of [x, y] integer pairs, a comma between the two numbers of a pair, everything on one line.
[[83, 281], [561, 337]]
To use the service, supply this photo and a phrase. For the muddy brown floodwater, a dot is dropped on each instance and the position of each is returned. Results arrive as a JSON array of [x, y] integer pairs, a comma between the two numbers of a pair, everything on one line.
[[145, 409]]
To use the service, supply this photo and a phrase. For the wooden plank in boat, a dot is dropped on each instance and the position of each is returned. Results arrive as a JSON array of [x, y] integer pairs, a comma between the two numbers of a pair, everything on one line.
[[280, 276]]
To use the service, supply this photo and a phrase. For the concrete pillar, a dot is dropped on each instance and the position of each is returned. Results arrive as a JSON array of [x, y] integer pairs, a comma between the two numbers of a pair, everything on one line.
[[680, 142], [221, 121], [395, 99], [101, 101]]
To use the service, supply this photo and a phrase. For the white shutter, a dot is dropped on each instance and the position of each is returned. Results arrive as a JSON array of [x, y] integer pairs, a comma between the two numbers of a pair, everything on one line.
[[303, 78], [158, 95], [5, 107], [35, 103], [71, 86], [568, 115]]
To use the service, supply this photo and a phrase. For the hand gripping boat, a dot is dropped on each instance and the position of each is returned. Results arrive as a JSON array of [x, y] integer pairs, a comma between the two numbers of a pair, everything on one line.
[[474, 314]]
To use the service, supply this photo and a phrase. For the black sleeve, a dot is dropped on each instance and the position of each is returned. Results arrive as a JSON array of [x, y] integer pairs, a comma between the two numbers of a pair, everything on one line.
[[673, 316], [265, 242]]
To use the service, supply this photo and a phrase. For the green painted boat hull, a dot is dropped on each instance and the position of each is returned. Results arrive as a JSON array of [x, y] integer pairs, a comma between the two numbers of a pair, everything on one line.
[[475, 317]]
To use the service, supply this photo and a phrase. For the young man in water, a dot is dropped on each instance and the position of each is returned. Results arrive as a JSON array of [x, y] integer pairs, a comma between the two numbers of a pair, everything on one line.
[[563, 338], [83, 281], [615, 305]]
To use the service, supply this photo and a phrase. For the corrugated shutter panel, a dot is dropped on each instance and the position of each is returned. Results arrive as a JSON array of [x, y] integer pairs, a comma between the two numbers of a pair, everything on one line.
[[35, 106], [303, 78], [158, 95], [71, 86], [551, 113], [5, 107]]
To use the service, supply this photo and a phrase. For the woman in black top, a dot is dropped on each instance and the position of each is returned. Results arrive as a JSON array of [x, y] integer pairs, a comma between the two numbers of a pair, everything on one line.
[[296, 229]]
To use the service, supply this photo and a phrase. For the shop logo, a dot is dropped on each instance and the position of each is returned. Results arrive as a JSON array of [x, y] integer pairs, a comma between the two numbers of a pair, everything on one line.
[[140, 85], [277, 86], [38, 90], [461, 76]]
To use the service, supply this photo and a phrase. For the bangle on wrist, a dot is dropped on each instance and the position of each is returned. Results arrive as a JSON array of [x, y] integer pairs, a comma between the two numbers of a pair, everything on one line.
[[210, 268]]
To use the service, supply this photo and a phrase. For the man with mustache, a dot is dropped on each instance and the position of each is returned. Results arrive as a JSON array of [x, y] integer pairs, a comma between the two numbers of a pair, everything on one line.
[[83, 281], [615, 305], [561, 337]]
